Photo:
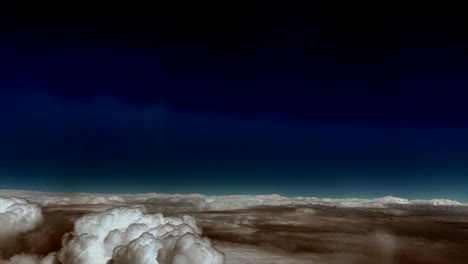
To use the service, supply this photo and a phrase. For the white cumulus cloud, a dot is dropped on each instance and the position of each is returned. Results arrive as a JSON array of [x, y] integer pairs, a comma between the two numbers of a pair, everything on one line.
[[31, 259], [18, 215], [129, 235]]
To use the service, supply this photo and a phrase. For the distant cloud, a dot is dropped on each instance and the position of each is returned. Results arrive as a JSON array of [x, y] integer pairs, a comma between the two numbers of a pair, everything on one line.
[[200, 202]]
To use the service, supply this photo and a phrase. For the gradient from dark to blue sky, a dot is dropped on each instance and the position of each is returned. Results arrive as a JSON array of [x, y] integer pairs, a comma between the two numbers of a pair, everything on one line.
[[288, 100]]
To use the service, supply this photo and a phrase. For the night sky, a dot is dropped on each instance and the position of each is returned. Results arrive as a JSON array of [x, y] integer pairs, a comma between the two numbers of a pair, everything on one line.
[[328, 101]]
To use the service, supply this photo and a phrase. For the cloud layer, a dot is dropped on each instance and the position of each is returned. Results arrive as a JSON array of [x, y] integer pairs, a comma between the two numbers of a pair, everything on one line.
[[200, 202], [130, 228]]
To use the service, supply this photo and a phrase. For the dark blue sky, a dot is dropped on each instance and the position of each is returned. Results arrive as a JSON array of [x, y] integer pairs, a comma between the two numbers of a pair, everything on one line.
[[281, 99]]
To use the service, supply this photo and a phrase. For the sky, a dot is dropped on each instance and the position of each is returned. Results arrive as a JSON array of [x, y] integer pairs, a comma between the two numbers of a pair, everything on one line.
[[294, 100]]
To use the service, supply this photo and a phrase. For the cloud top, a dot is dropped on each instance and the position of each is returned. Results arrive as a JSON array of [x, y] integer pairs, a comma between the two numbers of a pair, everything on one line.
[[129, 235], [18, 215]]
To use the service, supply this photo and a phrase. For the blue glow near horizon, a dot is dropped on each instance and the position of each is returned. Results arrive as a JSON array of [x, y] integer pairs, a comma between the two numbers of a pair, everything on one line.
[[55, 145]]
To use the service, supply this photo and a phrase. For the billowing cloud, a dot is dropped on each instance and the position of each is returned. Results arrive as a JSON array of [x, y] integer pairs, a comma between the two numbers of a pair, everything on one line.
[[31, 259], [129, 235], [18, 215], [119, 236]]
